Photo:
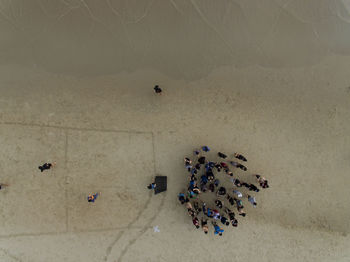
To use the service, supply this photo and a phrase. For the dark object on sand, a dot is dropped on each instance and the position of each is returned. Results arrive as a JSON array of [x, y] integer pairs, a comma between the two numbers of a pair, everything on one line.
[[157, 89], [161, 182], [222, 155]]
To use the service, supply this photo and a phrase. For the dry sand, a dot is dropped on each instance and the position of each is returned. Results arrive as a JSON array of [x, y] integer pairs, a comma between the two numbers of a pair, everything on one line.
[[270, 79]]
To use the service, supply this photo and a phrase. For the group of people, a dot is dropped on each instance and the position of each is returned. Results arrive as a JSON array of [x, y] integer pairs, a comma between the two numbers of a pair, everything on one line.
[[203, 177]]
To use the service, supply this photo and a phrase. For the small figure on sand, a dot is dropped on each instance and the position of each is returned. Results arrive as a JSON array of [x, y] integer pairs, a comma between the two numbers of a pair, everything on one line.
[[262, 181], [46, 166], [157, 89], [152, 186], [93, 197], [240, 157], [2, 186]]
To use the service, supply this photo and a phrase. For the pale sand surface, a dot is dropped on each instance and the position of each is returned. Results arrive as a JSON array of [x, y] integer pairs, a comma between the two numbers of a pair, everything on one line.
[[270, 79]]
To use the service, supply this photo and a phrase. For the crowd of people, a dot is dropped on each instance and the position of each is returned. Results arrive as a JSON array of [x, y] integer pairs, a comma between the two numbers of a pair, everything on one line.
[[203, 178]]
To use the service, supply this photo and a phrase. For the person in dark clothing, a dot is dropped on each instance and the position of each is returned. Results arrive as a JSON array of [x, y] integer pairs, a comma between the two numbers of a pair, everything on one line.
[[193, 171], [262, 181], [224, 165], [196, 207], [230, 199], [193, 178], [242, 167], [46, 166], [151, 186], [237, 182], [221, 191], [240, 157], [238, 202], [191, 185], [211, 187], [203, 187], [198, 166], [222, 155], [241, 212], [205, 148], [218, 203], [211, 164], [224, 220], [231, 215], [218, 167], [204, 179], [210, 175], [234, 222], [2, 186], [182, 198], [251, 187], [187, 161], [157, 89], [201, 160], [195, 221], [216, 182], [204, 207]]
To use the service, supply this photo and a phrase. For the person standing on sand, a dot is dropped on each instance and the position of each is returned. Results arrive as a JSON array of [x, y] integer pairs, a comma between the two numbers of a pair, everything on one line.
[[240, 157], [218, 167], [224, 165], [205, 148], [237, 193], [231, 215], [221, 191], [157, 89], [46, 166], [224, 220], [236, 182], [230, 199], [195, 222], [262, 181], [216, 214], [93, 197], [251, 187], [244, 168], [204, 223], [182, 198], [218, 230], [2, 186], [152, 186], [228, 172], [222, 155], [252, 200], [218, 203]]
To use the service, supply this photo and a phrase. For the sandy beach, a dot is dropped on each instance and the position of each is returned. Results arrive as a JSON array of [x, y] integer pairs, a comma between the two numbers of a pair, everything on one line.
[[269, 79]]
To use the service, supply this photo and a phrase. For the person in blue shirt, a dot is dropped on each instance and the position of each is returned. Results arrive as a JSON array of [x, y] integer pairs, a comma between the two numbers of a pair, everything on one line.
[[209, 212], [182, 198], [204, 179], [205, 148], [191, 185], [193, 171], [151, 186], [218, 230], [93, 197]]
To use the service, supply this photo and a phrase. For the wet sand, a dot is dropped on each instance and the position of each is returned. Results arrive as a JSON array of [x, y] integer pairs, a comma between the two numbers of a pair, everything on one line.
[[270, 80]]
